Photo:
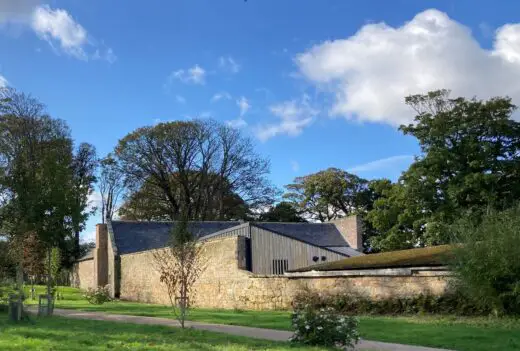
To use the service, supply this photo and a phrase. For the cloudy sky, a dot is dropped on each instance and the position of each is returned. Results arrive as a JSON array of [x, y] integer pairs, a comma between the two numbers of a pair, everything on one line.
[[315, 83]]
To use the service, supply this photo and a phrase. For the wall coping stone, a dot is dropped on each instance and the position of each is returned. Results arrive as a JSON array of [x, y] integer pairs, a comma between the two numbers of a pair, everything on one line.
[[384, 272]]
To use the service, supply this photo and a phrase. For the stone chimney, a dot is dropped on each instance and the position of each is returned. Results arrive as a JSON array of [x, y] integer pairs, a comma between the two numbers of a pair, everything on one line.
[[351, 228], [101, 256]]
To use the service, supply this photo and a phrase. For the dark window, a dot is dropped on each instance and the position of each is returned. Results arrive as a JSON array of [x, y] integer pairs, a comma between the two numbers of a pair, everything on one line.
[[323, 258], [280, 266], [315, 258]]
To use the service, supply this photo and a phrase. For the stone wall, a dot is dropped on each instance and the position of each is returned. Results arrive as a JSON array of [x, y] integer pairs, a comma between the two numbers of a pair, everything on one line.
[[83, 274], [224, 285]]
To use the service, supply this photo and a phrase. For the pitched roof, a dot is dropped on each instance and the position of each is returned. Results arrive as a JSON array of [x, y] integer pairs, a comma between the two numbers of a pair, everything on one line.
[[421, 257], [318, 234], [132, 236]]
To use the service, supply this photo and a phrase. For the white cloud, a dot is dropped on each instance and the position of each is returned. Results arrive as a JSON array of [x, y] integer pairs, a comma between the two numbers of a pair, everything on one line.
[[194, 75], [294, 115], [87, 237], [237, 123], [220, 96], [3, 82], [229, 64], [106, 54], [94, 200], [180, 99], [295, 166], [381, 164], [372, 71], [57, 27], [243, 105]]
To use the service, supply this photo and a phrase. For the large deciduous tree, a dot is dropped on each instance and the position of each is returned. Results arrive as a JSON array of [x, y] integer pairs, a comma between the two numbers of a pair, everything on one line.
[[281, 212], [193, 167], [36, 162], [329, 194], [84, 166], [470, 163], [111, 186]]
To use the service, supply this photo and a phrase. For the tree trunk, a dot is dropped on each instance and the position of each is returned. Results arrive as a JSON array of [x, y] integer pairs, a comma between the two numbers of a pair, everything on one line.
[[49, 250]]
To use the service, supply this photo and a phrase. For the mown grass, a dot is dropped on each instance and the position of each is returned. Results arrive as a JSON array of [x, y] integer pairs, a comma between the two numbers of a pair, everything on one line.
[[58, 334], [450, 332]]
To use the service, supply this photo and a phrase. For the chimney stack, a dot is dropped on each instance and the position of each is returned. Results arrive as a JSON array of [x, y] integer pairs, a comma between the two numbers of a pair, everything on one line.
[[351, 228], [101, 256]]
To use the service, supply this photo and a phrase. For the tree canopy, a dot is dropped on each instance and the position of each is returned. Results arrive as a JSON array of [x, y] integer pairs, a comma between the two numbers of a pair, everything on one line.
[[329, 194], [192, 168], [470, 163]]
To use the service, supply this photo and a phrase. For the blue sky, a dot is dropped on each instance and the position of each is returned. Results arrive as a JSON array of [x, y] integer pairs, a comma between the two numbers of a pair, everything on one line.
[[316, 84]]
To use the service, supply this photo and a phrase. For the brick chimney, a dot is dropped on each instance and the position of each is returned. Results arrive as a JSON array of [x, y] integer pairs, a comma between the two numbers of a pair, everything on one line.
[[101, 256], [351, 228]]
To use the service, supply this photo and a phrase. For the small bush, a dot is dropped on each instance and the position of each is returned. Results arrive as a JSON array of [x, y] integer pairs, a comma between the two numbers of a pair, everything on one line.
[[98, 296], [325, 327]]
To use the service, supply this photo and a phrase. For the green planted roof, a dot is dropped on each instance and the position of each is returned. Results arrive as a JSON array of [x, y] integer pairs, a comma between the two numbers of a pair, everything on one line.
[[422, 257]]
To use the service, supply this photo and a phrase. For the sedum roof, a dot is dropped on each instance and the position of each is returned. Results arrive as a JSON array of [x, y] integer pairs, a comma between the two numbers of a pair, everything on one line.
[[421, 257]]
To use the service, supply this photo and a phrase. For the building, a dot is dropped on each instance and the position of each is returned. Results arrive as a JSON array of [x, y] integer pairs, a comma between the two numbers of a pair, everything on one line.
[[253, 265]]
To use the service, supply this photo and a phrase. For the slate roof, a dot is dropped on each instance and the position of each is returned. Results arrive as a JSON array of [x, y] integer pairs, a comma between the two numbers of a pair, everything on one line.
[[131, 236], [88, 256], [318, 234]]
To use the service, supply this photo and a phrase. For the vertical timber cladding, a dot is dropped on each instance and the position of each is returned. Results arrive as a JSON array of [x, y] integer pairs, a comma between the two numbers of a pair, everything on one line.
[[268, 247]]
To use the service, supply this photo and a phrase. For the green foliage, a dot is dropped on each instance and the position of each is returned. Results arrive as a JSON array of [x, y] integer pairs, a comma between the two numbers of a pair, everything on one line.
[[55, 264], [98, 296], [324, 327], [451, 303], [111, 186], [194, 166], [329, 194], [84, 164], [470, 162], [487, 263], [282, 212]]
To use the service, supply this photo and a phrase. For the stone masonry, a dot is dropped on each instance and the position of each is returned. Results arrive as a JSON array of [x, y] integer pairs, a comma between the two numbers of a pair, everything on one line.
[[224, 285]]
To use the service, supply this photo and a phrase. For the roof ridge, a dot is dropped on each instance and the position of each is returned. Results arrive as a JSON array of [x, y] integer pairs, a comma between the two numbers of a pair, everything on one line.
[[137, 221]]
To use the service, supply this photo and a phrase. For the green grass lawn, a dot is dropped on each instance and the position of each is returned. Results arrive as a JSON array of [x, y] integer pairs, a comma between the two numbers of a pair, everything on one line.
[[463, 334], [57, 333]]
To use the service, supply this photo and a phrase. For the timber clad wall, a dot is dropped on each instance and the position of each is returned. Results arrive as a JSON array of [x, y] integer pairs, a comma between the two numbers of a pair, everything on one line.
[[267, 246]]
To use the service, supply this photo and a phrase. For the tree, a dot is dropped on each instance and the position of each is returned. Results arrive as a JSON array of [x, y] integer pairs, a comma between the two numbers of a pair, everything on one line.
[[180, 265], [486, 261], [281, 212], [149, 203], [328, 194], [111, 186], [35, 172], [470, 163], [191, 163], [84, 166]]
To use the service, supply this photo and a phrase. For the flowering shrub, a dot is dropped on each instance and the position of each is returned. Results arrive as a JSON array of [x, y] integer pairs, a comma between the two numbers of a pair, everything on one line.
[[324, 326], [98, 296]]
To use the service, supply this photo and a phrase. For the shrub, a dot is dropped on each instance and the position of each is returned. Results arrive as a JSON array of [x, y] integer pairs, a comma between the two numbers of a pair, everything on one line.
[[348, 303], [98, 296], [325, 327], [487, 264]]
